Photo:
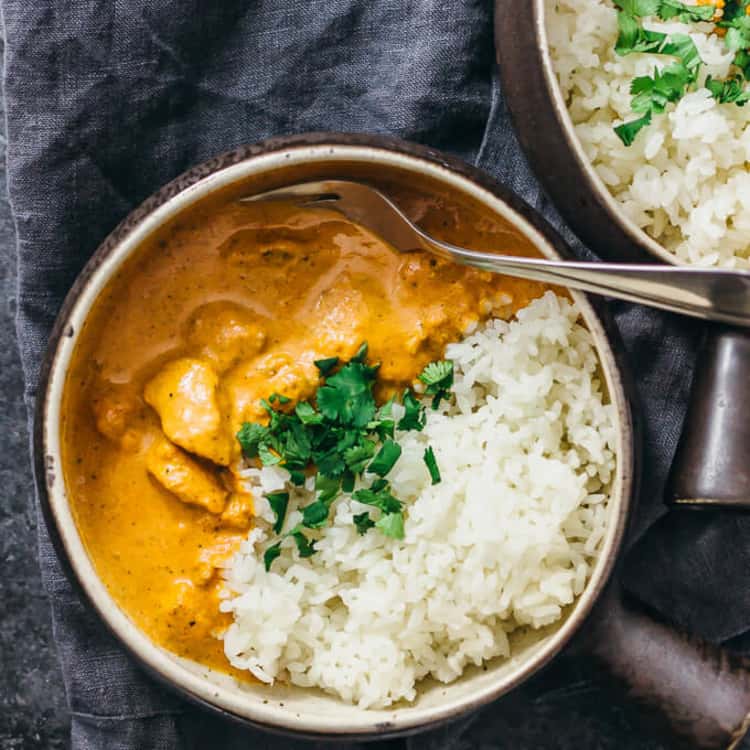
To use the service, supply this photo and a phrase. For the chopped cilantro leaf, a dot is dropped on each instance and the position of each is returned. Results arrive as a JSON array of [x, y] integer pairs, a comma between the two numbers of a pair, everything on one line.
[[297, 477], [315, 515], [347, 482], [392, 524], [382, 499], [295, 445], [361, 354], [432, 467], [327, 488], [347, 396], [639, 7], [267, 456], [651, 94], [277, 397], [438, 377], [358, 456], [738, 32], [414, 417], [742, 61], [379, 484], [383, 423], [683, 47], [326, 366], [307, 414], [732, 90], [386, 458], [278, 502], [305, 547], [250, 436], [363, 522], [330, 463], [634, 38], [338, 436], [674, 10], [271, 554], [629, 130]]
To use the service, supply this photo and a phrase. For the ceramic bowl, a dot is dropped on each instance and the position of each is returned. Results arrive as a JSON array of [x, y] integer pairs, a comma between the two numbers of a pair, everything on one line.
[[246, 171]]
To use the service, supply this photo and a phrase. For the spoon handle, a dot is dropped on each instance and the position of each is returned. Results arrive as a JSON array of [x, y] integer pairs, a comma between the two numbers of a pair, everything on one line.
[[707, 293]]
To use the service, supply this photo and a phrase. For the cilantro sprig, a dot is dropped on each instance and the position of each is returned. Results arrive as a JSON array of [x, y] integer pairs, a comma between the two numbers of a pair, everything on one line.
[[338, 437]]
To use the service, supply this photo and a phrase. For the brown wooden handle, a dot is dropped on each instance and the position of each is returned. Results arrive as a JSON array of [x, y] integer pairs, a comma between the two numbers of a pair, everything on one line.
[[712, 464], [691, 693]]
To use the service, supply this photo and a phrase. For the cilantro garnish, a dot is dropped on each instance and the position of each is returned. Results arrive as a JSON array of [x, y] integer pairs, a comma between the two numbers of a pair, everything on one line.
[[669, 10], [387, 456], [337, 437], [326, 366], [732, 90], [296, 477], [432, 467], [379, 497], [315, 515], [363, 522], [271, 554], [347, 398], [277, 397], [307, 414], [250, 436], [361, 354], [391, 524], [652, 94], [634, 38], [358, 456], [639, 7], [438, 377], [414, 417], [305, 547], [278, 502], [268, 456]]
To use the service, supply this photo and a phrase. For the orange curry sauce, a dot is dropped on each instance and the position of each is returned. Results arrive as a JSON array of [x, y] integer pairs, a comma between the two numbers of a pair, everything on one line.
[[227, 306]]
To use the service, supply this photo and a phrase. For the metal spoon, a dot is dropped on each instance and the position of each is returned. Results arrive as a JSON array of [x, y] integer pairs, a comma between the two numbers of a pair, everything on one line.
[[708, 293]]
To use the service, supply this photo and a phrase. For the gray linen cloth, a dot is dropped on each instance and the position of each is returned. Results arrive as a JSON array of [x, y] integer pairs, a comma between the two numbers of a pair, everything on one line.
[[109, 99]]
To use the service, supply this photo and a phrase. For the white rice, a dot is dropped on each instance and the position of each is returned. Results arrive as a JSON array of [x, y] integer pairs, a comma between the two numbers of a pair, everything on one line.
[[506, 539], [685, 179]]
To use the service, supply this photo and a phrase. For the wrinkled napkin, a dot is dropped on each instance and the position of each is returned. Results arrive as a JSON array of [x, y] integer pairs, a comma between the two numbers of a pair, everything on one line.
[[108, 100]]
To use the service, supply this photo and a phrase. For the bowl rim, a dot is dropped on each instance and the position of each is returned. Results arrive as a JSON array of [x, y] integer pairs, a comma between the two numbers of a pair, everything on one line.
[[560, 111], [189, 188]]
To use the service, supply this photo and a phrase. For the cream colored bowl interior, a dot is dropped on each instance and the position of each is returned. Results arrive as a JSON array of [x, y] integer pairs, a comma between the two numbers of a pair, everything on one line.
[[308, 711]]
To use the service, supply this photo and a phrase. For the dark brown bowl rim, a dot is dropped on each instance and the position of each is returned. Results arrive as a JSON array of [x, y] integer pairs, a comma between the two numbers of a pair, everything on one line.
[[44, 475]]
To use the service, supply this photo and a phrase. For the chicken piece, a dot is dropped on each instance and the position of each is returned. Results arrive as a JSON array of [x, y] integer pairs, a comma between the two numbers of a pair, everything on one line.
[[184, 477], [213, 558], [184, 395], [251, 381], [345, 319], [190, 609], [113, 410], [239, 511], [225, 332]]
